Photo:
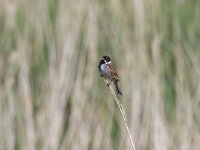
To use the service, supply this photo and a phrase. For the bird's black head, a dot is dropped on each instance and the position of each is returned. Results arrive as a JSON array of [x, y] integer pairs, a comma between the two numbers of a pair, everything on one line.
[[102, 61], [107, 58]]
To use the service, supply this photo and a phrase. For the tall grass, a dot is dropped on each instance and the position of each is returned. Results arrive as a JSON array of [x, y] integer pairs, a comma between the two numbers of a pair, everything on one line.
[[51, 93]]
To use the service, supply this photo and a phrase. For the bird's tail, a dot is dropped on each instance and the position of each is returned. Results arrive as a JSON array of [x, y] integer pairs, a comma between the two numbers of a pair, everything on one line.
[[117, 87]]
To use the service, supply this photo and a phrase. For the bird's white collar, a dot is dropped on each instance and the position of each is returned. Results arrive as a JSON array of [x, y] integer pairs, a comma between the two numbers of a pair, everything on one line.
[[108, 62]]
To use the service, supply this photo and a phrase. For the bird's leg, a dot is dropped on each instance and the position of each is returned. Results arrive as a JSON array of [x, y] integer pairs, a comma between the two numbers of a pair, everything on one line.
[[108, 83]]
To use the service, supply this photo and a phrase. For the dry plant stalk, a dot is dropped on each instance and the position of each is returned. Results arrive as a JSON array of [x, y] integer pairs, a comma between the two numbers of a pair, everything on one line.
[[122, 111]]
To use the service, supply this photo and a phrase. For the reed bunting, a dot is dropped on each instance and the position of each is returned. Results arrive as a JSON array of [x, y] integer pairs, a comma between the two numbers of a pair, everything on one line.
[[108, 71]]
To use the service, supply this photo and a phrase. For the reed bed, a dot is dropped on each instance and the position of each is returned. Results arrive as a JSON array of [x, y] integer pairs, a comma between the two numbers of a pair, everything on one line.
[[53, 98]]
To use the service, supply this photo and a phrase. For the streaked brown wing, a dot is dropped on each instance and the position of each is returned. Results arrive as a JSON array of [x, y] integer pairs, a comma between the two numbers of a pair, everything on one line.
[[113, 72]]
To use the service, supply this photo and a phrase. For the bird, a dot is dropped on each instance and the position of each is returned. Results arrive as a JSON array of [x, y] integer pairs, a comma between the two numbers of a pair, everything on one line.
[[108, 71]]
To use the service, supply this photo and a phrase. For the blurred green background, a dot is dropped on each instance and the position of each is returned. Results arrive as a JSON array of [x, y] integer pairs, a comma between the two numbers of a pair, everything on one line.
[[53, 98]]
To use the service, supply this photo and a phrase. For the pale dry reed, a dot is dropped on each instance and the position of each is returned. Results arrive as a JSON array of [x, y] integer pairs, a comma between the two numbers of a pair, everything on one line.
[[122, 111]]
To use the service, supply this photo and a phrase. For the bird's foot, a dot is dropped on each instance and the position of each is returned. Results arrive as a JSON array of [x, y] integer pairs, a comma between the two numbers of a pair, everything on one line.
[[108, 84]]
